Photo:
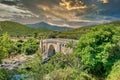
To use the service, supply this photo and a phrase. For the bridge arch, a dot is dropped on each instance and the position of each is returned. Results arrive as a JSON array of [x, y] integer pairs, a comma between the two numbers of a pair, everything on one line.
[[51, 51]]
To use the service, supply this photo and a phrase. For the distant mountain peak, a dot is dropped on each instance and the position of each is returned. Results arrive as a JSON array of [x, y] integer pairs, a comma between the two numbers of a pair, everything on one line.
[[43, 22], [49, 26]]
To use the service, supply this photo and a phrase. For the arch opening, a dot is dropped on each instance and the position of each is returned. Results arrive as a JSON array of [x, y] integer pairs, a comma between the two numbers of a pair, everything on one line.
[[51, 51]]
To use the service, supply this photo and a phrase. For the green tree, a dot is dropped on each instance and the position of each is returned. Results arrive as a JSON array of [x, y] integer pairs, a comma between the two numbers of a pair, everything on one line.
[[35, 35], [5, 46], [96, 47]]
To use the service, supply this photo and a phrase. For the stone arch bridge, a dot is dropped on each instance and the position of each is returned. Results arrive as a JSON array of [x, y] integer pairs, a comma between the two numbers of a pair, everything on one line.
[[51, 46]]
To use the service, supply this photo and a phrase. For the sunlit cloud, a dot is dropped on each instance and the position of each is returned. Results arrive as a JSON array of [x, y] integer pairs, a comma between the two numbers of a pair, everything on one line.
[[105, 1], [70, 6]]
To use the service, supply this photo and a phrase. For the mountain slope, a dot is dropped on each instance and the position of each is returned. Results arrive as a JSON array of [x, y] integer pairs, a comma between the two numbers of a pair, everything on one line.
[[51, 27], [16, 29]]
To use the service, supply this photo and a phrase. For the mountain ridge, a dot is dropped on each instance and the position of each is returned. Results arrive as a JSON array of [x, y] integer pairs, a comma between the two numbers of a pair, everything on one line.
[[47, 25]]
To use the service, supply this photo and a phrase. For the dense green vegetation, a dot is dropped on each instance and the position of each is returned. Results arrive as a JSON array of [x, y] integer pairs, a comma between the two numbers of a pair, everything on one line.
[[99, 49], [70, 34], [96, 57], [16, 29], [8, 47]]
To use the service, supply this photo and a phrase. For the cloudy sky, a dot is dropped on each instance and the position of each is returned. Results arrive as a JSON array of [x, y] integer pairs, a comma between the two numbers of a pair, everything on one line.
[[72, 13]]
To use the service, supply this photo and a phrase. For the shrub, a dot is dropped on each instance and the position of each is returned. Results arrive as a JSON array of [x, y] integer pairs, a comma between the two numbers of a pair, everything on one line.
[[5, 46], [17, 47], [5, 74], [30, 46]]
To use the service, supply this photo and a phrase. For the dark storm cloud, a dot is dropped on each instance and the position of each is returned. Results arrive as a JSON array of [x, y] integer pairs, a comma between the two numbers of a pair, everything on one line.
[[101, 7]]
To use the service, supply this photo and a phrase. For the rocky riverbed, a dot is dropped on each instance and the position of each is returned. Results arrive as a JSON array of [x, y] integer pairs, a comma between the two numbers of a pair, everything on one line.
[[14, 62]]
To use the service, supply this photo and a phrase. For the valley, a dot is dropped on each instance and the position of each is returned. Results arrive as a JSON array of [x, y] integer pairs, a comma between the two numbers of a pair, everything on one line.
[[97, 50]]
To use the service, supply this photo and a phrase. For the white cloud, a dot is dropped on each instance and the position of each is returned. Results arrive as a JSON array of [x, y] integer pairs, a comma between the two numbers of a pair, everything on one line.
[[3, 19], [8, 12]]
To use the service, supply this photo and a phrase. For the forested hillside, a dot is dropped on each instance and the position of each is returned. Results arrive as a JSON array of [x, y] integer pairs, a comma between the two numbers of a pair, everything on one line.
[[77, 33], [16, 29]]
